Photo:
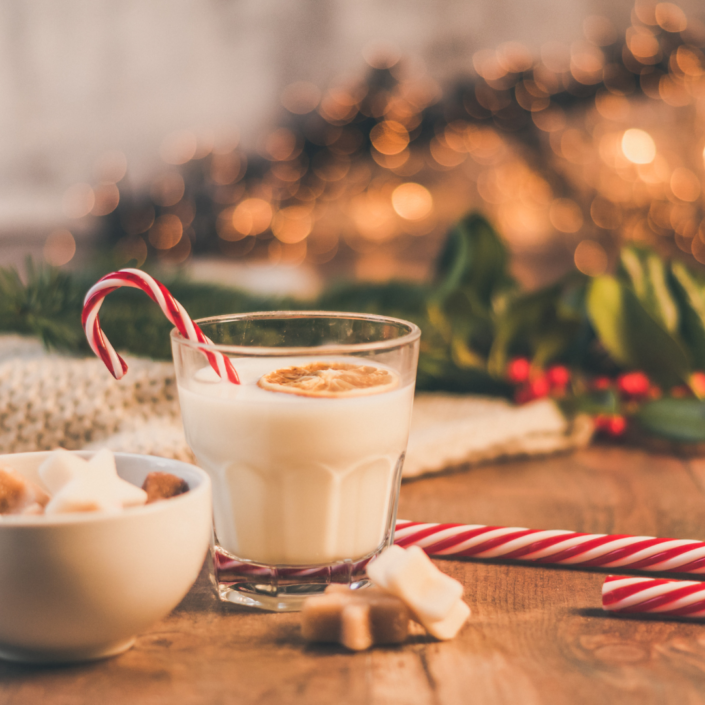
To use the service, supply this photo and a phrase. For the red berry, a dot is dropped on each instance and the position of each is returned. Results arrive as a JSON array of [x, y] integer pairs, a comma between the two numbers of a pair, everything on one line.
[[601, 383], [601, 422], [540, 386], [610, 424], [558, 376], [617, 425], [634, 384], [518, 370], [697, 383]]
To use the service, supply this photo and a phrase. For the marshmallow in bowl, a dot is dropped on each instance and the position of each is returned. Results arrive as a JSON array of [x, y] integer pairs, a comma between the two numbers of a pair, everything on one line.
[[79, 485]]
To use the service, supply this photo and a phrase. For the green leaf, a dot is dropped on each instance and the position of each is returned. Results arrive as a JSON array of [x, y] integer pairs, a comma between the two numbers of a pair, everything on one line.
[[631, 335], [522, 315], [677, 419], [463, 356], [663, 303], [48, 306], [596, 402], [647, 273], [691, 299], [554, 342], [544, 324], [473, 258]]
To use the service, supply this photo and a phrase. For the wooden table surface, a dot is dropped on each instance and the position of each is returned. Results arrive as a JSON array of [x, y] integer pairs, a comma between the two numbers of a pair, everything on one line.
[[537, 635]]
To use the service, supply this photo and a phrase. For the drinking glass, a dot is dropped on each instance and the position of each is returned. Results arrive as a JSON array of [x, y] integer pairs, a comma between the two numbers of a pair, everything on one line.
[[305, 484]]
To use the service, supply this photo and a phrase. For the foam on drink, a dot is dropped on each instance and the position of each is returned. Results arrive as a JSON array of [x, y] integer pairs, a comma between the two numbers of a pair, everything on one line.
[[297, 480]]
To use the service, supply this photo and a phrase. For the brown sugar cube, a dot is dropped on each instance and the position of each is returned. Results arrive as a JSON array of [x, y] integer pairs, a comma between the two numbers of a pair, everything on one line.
[[357, 619], [18, 494], [356, 627], [163, 485]]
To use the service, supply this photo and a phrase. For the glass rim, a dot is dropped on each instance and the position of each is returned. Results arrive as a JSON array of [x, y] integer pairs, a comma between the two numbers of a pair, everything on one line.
[[413, 334]]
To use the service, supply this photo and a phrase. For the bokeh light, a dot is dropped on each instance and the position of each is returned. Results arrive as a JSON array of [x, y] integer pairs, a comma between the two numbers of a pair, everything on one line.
[[638, 146], [251, 216], [78, 201], [59, 248], [301, 97], [179, 147], [389, 137], [590, 258], [574, 148], [565, 215], [412, 201], [166, 231]]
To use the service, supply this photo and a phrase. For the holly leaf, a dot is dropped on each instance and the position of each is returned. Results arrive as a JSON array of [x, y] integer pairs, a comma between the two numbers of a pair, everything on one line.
[[676, 419], [691, 299], [474, 258], [631, 335], [647, 274]]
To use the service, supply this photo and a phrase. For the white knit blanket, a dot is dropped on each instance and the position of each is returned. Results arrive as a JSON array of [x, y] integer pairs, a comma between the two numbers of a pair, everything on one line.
[[49, 400]]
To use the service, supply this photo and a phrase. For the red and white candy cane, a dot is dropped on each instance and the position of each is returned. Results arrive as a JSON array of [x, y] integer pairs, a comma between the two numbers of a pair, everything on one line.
[[554, 547], [170, 307], [668, 598]]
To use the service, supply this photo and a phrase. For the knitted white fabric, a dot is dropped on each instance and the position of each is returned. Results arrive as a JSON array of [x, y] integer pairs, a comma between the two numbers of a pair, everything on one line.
[[49, 400]]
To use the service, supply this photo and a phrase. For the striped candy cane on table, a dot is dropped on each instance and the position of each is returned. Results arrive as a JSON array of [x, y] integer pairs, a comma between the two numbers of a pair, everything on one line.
[[554, 547], [170, 307], [666, 598]]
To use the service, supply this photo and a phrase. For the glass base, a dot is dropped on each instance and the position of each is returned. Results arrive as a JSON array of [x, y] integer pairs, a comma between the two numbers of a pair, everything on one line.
[[282, 588], [288, 599]]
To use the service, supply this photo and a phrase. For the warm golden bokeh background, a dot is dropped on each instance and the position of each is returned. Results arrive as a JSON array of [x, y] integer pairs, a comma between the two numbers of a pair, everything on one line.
[[277, 145]]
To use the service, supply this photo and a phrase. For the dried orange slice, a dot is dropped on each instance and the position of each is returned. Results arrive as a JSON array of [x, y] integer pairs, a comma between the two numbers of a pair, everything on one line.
[[330, 380]]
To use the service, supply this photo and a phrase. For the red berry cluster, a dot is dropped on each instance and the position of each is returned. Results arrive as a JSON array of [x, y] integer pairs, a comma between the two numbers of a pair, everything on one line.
[[613, 425], [535, 384], [631, 388]]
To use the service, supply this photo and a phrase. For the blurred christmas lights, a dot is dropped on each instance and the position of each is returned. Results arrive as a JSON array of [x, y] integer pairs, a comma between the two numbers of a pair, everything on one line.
[[588, 144]]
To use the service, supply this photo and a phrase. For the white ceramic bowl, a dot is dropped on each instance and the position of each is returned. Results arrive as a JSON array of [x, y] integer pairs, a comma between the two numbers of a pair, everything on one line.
[[82, 586]]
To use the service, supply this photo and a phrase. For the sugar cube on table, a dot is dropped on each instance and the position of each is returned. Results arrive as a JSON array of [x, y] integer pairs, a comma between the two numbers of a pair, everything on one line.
[[434, 598], [357, 619], [163, 485]]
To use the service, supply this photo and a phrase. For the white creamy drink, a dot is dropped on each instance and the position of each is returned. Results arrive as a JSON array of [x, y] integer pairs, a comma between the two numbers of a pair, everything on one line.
[[299, 480]]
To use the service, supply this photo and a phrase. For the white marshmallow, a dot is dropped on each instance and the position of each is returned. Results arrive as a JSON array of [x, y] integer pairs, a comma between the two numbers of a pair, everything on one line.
[[60, 468], [434, 598], [88, 486], [377, 568], [447, 628], [429, 593]]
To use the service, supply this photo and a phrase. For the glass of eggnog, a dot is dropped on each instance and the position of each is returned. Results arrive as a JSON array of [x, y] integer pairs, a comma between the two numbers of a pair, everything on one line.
[[305, 454]]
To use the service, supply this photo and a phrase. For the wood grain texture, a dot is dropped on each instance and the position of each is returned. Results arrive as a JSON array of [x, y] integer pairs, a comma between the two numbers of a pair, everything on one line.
[[537, 634]]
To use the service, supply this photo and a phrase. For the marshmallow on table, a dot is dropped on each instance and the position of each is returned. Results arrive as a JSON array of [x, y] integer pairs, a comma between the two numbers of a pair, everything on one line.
[[80, 485], [434, 598], [357, 619], [19, 495]]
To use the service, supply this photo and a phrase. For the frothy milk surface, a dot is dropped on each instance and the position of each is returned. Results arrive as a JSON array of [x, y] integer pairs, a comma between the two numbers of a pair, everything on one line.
[[296, 480]]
